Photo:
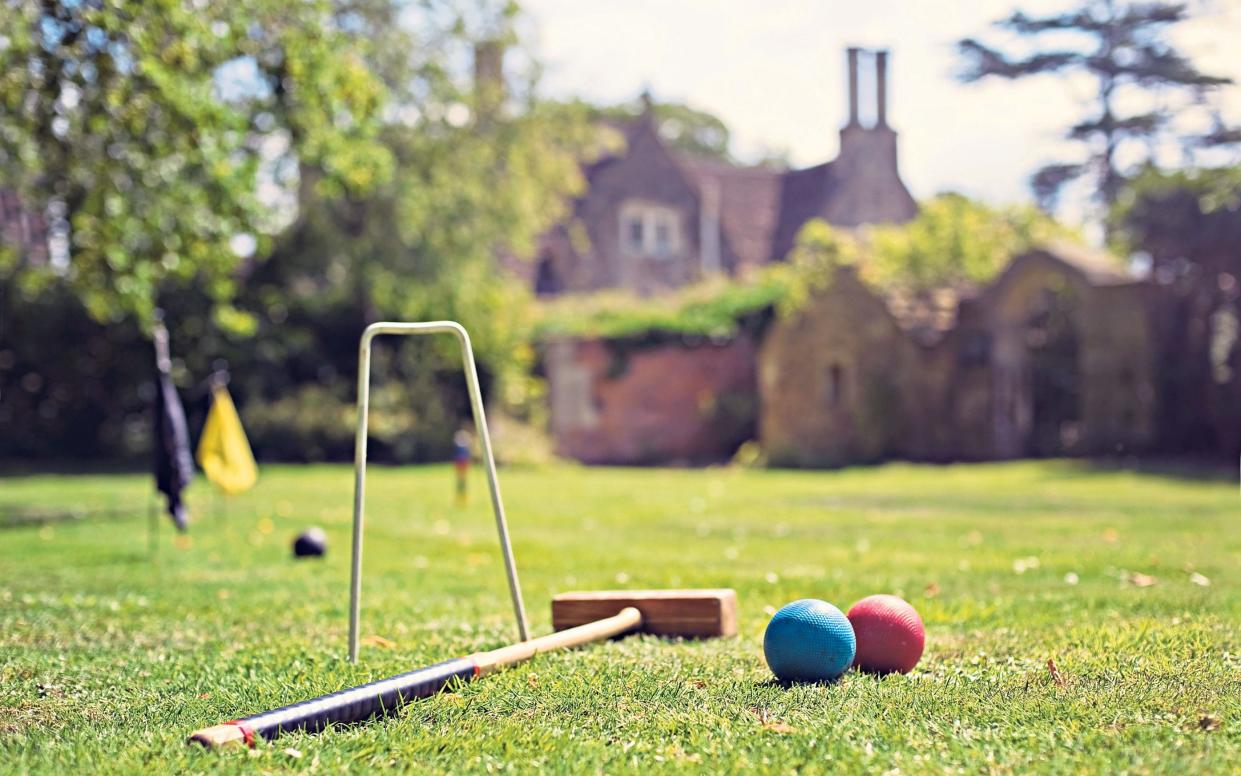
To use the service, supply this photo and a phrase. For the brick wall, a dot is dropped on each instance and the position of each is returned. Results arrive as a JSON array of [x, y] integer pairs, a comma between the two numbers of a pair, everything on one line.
[[678, 401]]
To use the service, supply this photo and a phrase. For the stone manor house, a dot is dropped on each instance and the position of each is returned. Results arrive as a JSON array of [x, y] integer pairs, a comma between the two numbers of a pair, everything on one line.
[[656, 219], [1054, 357]]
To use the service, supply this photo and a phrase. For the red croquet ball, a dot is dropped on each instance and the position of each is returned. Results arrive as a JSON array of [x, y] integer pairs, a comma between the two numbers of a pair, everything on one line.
[[889, 634]]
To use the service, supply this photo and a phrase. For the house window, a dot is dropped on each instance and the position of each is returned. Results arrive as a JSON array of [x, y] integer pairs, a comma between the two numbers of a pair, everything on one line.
[[649, 230], [634, 239], [835, 385], [663, 234]]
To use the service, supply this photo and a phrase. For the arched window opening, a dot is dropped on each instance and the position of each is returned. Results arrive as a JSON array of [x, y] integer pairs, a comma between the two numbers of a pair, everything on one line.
[[547, 280], [835, 385]]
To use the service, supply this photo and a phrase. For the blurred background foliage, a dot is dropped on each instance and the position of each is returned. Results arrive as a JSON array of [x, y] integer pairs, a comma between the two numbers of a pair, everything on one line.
[[148, 129], [313, 166], [1186, 226], [276, 175]]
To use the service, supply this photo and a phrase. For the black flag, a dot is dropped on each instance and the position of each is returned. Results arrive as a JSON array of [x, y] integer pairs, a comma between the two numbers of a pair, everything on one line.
[[174, 465]]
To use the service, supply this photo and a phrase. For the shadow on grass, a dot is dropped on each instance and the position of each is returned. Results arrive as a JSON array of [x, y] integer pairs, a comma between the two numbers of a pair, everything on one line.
[[15, 467], [25, 516], [790, 684], [1179, 469], [876, 676]]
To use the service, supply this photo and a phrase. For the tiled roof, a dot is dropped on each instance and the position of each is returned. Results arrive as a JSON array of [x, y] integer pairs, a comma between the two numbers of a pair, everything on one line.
[[762, 208], [804, 195], [1100, 269], [749, 204]]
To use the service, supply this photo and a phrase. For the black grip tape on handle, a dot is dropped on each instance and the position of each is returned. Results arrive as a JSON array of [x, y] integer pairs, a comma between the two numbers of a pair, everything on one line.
[[358, 703]]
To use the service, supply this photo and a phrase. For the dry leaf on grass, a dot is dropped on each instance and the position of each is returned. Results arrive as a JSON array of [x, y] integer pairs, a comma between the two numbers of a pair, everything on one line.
[[1208, 722], [773, 725], [1055, 672], [1199, 580], [931, 590], [378, 641], [1138, 579]]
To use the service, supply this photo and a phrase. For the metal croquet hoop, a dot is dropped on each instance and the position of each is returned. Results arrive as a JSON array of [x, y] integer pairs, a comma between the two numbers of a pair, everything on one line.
[[359, 464]]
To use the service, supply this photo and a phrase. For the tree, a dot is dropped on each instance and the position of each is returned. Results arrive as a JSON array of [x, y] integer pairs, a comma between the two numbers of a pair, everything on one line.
[[694, 132], [468, 167], [688, 130], [481, 166], [1189, 225], [145, 130], [954, 241], [1125, 48]]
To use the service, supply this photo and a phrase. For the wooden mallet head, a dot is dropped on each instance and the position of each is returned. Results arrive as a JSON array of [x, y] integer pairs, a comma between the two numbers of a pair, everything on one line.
[[688, 613]]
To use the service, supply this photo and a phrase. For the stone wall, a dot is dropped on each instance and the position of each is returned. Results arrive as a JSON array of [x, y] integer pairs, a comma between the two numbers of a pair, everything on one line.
[[838, 382], [666, 402], [1113, 371], [843, 382], [979, 392]]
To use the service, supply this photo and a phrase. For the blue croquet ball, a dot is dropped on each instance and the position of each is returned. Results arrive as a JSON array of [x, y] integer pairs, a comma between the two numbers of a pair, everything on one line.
[[809, 641]]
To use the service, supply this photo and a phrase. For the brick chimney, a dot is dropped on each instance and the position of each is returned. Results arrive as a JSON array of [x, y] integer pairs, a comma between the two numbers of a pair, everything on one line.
[[865, 174], [853, 90], [881, 88]]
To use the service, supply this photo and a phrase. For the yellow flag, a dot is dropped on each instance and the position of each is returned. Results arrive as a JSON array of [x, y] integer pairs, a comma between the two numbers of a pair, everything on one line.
[[223, 451]]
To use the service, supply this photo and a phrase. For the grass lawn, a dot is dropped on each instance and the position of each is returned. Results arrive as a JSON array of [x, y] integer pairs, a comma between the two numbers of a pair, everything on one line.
[[110, 655]]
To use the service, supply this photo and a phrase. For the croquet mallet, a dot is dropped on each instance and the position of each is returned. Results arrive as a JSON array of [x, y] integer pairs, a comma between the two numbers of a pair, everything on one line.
[[579, 618]]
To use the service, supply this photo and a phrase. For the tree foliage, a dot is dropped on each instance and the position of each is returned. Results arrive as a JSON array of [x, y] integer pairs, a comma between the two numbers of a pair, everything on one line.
[[1184, 216], [481, 166], [693, 132], [955, 241], [395, 211], [121, 124], [685, 129], [1124, 47], [1189, 224]]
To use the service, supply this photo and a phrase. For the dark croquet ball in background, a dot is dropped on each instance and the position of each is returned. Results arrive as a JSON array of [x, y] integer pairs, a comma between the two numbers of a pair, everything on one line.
[[890, 636], [311, 543]]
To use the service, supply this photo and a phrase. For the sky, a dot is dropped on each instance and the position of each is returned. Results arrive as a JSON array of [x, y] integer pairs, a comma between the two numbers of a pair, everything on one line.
[[774, 71]]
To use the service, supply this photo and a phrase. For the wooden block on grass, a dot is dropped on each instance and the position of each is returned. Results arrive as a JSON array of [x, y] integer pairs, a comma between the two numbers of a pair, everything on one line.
[[688, 613]]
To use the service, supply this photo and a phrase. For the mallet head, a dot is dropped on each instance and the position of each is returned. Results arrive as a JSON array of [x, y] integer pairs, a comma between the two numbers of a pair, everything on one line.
[[688, 613]]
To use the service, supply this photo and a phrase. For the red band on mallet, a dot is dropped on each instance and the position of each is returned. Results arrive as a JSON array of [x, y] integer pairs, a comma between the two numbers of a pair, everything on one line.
[[247, 732]]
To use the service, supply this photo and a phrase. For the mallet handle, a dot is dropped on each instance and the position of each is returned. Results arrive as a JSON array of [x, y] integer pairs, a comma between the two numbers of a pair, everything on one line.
[[351, 705], [625, 620], [386, 695]]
